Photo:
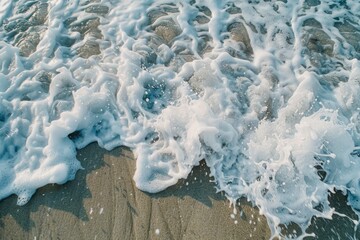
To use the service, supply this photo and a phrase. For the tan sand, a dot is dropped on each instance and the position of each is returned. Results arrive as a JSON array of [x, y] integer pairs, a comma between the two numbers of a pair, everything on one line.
[[103, 203]]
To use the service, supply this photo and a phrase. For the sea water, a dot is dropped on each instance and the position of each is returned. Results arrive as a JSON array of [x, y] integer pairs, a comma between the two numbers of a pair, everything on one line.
[[267, 92]]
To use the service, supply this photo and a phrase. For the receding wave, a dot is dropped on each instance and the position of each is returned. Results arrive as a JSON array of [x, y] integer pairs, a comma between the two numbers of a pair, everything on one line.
[[267, 92]]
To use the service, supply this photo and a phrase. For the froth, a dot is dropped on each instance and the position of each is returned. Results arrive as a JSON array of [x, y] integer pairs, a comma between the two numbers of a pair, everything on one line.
[[265, 92]]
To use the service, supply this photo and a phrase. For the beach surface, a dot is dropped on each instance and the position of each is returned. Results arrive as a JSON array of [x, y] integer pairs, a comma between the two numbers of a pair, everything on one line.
[[103, 203]]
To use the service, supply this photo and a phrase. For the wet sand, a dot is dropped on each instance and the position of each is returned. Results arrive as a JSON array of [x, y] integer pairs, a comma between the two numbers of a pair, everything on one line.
[[103, 203]]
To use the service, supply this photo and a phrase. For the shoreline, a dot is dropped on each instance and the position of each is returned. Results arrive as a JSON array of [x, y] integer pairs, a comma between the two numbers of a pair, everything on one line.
[[277, 78], [103, 203]]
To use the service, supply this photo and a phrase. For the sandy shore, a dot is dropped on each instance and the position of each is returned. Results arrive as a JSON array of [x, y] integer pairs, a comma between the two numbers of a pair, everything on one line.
[[103, 203]]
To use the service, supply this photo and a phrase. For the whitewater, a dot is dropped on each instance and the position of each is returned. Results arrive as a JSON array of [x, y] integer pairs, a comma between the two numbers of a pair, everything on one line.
[[267, 92]]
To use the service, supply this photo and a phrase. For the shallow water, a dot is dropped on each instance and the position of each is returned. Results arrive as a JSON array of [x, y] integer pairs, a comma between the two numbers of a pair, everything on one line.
[[265, 91]]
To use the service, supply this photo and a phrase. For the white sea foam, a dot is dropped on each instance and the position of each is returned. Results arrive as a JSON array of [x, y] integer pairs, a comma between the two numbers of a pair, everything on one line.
[[267, 92]]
